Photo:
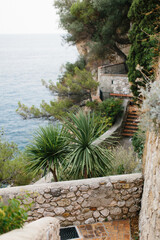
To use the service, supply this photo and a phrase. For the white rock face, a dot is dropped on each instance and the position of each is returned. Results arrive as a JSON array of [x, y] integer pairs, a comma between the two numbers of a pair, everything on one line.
[[150, 210]]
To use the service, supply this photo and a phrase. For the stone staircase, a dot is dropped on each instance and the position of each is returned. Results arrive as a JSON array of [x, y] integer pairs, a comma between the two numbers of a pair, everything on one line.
[[131, 122]]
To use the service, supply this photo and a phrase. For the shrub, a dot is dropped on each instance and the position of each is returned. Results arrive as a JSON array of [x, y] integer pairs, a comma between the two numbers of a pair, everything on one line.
[[69, 68], [144, 15], [111, 108], [85, 159], [92, 105], [12, 165], [138, 142], [151, 106], [12, 215], [124, 161], [47, 151]]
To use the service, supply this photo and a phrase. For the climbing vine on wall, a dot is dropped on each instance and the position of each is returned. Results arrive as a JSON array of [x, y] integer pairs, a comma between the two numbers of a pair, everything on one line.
[[144, 37]]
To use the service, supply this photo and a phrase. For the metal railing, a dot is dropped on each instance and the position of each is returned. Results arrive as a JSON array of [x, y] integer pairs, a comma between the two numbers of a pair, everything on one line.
[[119, 68]]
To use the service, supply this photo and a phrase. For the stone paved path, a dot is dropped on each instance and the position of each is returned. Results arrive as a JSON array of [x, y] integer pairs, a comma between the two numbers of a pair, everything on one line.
[[114, 230]]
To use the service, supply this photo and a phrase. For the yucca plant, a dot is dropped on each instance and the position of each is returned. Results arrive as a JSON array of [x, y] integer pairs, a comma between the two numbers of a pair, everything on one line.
[[47, 150], [84, 158]]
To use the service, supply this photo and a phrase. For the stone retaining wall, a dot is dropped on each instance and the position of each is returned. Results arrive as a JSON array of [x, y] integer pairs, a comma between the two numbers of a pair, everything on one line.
[[149, 224], [83, 201]]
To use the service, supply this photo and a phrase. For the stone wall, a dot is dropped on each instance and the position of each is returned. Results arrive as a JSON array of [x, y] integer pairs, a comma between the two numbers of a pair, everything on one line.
[[43, 229], [83, 201], [150, 212], [114, 83]]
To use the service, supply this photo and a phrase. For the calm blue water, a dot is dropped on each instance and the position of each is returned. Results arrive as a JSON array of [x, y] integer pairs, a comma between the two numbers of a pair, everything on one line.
[[24, 61]]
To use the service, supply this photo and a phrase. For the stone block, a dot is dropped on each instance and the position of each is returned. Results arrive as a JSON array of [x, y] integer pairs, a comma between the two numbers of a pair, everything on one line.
[[115, 211], [40, 199], [105, 212], [59, 210], [64, 202], [96, 214], [56, 192]]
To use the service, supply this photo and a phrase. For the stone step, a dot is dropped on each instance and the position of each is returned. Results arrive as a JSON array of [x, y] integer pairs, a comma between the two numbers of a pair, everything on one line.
[[131, 123], [132, 120], [127, 134], [131, 127], [130, 130]]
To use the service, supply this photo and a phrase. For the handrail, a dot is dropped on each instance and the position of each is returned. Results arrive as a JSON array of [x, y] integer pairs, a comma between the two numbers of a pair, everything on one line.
[[121, 95]]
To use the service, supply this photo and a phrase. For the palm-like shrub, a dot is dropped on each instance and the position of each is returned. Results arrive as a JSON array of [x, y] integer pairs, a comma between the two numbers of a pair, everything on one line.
[[47, 150], [85, 159]]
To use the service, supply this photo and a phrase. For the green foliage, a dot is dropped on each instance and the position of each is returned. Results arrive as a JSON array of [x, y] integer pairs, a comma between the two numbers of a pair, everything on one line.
[[69, 68], [85, 159], [12, 165], [12, 215], [106, 112], [74, 88], [138, 142], [144, 15], [57, 109], [80, 83], [111, 108], [102, 23], [124, 161], [94, 105], [47, 150]]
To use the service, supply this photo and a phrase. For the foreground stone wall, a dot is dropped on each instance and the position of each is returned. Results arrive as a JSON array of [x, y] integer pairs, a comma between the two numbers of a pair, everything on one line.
[[42, 229], [83, 201], [150, 211]]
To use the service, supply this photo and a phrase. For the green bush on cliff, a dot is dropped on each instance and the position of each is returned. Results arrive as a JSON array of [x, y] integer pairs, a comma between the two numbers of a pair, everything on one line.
[[104, 24], [145, 16], [69, 68]]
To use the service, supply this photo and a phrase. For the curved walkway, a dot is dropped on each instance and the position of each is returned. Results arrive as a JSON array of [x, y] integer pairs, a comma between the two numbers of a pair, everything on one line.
[[115, 127]]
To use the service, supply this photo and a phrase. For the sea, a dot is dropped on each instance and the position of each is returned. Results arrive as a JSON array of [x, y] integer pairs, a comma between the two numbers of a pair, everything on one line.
[[24, 61]]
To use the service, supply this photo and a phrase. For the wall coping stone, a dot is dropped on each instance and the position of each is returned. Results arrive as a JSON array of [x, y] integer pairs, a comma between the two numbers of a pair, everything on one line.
[[116, 178], [78, 201]]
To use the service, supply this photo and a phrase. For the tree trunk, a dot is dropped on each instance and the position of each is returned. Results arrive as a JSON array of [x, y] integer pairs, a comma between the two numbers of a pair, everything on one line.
[[53, 171], [85, 173]]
